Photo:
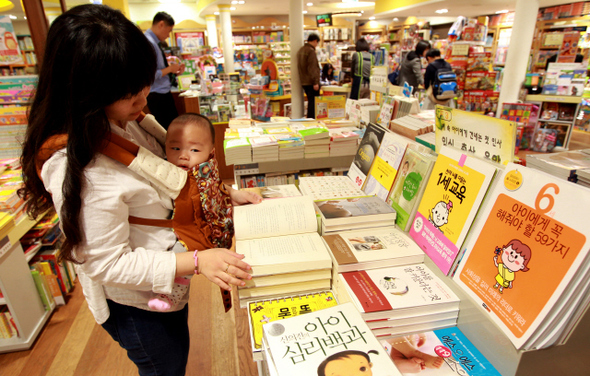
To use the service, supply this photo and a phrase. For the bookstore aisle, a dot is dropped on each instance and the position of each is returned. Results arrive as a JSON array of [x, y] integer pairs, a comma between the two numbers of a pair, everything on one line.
[[73, 344]]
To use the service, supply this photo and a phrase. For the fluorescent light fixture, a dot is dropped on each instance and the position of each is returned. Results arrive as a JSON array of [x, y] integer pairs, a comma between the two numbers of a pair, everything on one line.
[[502, 11], [309, 4], [371, 18], [441, 11]]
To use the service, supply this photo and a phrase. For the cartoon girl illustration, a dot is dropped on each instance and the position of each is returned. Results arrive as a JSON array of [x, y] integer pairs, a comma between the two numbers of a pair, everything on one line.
[[515, 257], [347, 363], [439, 215]]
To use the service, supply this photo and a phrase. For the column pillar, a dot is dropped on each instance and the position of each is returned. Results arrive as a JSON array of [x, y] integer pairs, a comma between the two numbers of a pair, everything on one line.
[[523, 29], [211, 30], [228, 53], [296, 42]]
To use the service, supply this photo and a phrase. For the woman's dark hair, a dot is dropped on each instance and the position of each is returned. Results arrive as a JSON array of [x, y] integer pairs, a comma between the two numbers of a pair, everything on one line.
[[421, 47], [326, 74], [94, 56], [362, 45]]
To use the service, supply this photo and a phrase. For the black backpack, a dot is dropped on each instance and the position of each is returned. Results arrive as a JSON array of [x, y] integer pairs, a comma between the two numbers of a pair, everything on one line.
[[445, 84]]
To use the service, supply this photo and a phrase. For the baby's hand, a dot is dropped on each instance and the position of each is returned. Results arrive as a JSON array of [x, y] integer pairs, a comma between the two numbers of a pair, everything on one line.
[[223, 267], [244, 197]]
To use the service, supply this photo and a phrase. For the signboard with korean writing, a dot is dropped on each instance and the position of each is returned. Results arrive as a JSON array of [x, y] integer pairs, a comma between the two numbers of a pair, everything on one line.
[[476, 135], [324, 19]]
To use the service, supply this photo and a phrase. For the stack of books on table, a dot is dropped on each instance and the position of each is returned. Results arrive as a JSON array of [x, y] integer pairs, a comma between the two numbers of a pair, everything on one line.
[[564, 165], [410, 126], [317, 141], [343, 141], [280, 242], [331, 341], [264, 148], [400, 299], [584, 177], [237, 150], [239, 123], [354, 213], [291, 146]]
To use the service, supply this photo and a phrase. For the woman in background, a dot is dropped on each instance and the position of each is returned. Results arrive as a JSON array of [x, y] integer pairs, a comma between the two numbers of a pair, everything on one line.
[[411, 68], [362, 62], [327, 77]]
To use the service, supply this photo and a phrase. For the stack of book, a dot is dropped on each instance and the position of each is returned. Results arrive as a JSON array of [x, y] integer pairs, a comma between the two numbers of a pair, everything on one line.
[[239, 123], [343, 141], [317, 141], [291, 146], [280, 242], [564, 165], [410, 126], [400, 299], [7, 325], [584, 177], [330, 341], [237, 150], [264, 148], [354, 213]]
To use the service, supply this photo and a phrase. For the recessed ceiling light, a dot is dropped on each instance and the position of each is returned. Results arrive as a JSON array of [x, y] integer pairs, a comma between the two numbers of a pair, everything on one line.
[[216, 13], [241, 2], [12, 17], [371, 18], [232, 8], [502, 11], [253, 27], [309, 4], [234, 2], [441, 11], [304, 12], [396, 19]]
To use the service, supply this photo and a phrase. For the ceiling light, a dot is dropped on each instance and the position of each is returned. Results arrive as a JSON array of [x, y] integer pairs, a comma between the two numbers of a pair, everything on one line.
[[347, 14], [169, 1], [396, 19], [441, 11], [234, 2], [309, 4], [253, 27], [232, 8], [241, 2], [216, 13], [304, 12], [502, 11], [371, 18], [12, 17]]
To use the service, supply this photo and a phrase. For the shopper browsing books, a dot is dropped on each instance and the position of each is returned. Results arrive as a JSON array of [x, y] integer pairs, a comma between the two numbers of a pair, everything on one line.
[[362, 62], [411, 67], [121, 266], [435, 64]]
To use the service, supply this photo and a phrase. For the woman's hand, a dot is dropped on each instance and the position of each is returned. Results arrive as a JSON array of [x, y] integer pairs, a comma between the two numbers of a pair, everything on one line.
[[223, 267], [243, 197]]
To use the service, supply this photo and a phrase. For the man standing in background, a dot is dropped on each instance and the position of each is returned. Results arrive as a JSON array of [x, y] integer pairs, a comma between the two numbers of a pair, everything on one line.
[[160, 100], [309, 72]]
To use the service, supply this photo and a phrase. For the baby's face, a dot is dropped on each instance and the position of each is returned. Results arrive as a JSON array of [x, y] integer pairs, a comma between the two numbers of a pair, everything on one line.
[[440, 214], [188, 145]]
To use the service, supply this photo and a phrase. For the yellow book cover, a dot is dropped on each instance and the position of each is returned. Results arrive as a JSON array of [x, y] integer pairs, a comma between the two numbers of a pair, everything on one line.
[[263, 312]]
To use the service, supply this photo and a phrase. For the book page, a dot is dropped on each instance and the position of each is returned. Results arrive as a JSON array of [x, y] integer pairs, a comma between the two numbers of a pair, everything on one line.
[[285, 216]]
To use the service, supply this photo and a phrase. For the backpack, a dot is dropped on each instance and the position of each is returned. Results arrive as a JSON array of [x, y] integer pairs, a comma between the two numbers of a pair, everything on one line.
[[394, 76], [445, 84]]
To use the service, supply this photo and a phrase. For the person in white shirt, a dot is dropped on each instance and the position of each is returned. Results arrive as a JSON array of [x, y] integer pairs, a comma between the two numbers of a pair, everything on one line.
[[96, 73]]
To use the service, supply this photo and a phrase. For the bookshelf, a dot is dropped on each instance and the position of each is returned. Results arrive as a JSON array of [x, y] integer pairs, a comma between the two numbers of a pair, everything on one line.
[[564, 124], [16, 282]]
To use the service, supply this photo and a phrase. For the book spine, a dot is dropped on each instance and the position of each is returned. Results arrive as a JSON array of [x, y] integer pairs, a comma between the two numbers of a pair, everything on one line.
[[43, 291]]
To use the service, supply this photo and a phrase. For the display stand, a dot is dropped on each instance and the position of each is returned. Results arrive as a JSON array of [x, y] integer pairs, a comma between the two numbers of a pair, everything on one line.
[[557, 123], [20, 293]]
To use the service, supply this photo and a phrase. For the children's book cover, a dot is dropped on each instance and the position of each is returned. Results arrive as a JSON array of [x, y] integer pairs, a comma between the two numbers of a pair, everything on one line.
[[530, 242], [386, 165], [407, 190], [451, 199], [363, 160], [328, 342], [441, 352], [265, 311]]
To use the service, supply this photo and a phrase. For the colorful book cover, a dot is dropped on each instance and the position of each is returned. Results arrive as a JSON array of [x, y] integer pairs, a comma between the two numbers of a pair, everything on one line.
[[386, 165], [325, 343], [363, 160], [530, 243], [451, 199], [265, 311], [409, 186], [441, 352]]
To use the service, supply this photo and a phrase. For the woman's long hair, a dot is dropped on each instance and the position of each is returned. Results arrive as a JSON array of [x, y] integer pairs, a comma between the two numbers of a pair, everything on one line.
[[94, 56]]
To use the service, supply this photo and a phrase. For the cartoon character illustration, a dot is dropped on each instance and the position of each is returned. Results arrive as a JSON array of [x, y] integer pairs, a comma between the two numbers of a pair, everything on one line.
[[439, 215], [347, 363], [515, 257]]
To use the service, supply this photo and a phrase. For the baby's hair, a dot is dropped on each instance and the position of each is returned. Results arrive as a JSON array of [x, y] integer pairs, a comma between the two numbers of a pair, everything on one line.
[[523, 250], [342, 355], [198, 119]]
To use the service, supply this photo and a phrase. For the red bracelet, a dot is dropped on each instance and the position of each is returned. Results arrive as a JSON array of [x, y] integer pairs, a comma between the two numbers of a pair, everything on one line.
[[196, 261]]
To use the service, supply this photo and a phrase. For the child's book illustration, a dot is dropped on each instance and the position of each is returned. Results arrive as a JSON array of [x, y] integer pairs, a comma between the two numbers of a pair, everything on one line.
[[527, 254], [453, 194], [441, 352], [326, 342], [407, 190]]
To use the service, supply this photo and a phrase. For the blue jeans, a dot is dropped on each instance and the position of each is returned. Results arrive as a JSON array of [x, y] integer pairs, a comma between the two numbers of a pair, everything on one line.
[[157, 342]]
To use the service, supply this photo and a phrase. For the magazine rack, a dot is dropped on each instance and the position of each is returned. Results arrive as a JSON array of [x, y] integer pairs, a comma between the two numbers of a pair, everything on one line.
[[497, 348]]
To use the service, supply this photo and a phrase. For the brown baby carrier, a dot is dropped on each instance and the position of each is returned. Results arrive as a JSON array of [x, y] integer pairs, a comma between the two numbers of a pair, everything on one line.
[[197, 194]]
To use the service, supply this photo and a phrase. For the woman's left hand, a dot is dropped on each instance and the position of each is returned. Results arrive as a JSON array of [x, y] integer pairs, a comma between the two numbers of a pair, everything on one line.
[[243, 197]]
